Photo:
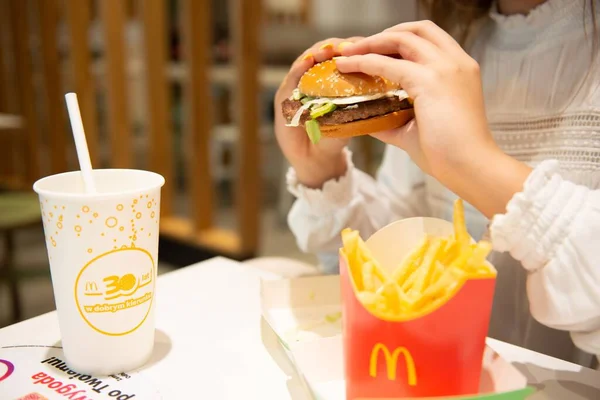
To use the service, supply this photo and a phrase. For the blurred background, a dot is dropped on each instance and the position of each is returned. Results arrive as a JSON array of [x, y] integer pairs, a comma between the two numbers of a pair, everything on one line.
[[181, 87]]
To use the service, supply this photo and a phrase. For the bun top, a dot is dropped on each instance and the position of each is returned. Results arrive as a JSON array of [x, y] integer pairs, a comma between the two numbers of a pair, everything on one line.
[[324, 80]]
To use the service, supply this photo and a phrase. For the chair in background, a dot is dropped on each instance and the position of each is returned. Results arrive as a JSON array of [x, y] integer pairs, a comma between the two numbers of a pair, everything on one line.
[[19, 206], [18, 211]]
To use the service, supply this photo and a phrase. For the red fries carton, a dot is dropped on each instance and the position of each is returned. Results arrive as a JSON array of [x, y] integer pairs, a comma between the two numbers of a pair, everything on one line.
[[435, 352]]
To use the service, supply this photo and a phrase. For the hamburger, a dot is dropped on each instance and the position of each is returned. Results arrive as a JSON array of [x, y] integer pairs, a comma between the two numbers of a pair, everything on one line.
[[329, 103]]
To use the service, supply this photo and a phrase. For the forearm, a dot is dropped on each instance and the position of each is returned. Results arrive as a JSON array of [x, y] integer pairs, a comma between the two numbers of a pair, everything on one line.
[[487, 179], [315, 173]]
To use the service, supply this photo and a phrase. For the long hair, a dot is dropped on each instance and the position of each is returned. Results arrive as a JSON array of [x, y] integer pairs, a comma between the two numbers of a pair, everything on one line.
[[457, 16], [595, 35]]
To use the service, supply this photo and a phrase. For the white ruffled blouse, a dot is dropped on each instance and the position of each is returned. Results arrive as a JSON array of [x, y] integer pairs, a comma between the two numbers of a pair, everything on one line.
[[543, 105]]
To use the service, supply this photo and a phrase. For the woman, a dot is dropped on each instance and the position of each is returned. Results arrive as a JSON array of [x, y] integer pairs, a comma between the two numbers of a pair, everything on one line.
[[542, 102]]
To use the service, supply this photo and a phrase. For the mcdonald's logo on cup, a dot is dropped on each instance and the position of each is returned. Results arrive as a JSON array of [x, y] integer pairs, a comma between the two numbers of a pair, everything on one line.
[[391, 362], [91, 286]]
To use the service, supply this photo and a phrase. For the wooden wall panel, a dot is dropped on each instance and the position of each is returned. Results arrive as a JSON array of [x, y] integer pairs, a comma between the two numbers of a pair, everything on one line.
[[113, 14], [78, 13], [196, 23], [154, 15], [19, 11], [56, 128], [245, 28]]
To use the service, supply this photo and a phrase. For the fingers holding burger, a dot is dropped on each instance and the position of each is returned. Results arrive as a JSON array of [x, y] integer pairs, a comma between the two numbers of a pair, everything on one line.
[[329, 103]]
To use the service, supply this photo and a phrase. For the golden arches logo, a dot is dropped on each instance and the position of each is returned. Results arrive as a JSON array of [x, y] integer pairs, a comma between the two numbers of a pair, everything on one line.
[[391, 362], [91, 288]]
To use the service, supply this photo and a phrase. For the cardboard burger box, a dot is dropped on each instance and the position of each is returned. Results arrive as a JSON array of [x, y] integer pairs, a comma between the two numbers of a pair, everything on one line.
[[304, 316]]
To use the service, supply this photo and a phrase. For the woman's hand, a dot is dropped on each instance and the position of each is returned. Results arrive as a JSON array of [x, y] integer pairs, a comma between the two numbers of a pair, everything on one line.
[[442, 80], [450, 139], [314, 164]]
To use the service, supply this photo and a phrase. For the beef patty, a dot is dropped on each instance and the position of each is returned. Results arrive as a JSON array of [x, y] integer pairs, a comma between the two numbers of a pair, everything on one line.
[[349, 113]]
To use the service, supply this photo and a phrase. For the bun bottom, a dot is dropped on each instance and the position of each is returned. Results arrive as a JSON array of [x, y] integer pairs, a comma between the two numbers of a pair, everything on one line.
[[367, 126]]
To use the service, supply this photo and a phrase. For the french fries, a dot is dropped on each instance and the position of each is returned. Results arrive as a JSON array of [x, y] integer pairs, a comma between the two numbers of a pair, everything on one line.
[[427, 277]]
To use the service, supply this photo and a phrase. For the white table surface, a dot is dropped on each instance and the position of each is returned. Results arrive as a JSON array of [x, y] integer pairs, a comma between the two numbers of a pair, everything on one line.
[[211, 341]]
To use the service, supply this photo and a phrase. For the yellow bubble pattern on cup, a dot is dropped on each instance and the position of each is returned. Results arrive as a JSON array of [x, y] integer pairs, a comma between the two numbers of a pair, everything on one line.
[[140, 210], [111, 222], [54, 223]]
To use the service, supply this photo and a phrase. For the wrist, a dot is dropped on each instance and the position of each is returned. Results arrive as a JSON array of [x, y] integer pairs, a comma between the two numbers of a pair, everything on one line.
[[314, 172], [477, 158], [487, 179]]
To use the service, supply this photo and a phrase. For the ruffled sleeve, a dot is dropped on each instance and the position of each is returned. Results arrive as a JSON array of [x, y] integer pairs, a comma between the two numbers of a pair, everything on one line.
[[334, 194], [553, 228], [355, 200]]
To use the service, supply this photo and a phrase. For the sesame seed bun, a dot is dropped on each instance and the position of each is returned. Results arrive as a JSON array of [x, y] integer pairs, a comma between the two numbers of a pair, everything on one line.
[[367, 126], [324, 80]]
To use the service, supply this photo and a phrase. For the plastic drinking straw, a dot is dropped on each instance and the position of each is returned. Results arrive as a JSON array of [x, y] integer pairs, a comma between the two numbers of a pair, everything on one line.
[[83, 154]]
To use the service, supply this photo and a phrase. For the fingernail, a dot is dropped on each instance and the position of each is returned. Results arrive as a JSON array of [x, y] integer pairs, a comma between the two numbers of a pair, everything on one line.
[[326, 46], [340, 58], [343, 45], [309, 56]]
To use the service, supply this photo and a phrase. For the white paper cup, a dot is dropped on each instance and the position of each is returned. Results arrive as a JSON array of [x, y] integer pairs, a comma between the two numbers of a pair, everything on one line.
[[103, 251]]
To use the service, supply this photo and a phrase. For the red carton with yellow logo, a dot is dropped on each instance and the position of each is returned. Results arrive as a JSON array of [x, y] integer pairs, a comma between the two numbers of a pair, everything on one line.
[[438, 352]]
